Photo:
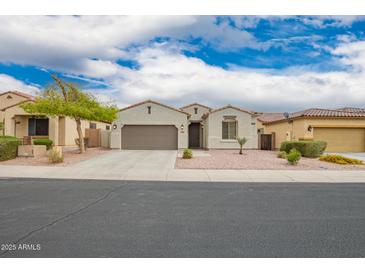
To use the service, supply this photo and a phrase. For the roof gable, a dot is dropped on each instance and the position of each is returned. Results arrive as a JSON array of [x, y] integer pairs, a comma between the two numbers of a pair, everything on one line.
[[18, 93], [196, 104], [232, 107], [16, 104], [154, 102]]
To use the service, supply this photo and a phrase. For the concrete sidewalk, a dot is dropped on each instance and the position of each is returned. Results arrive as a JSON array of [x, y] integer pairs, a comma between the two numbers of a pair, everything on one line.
[[170, 174]]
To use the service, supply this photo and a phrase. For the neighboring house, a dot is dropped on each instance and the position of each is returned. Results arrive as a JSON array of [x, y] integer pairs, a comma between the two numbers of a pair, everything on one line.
[[343, 129], [17, 122], [152, 125]]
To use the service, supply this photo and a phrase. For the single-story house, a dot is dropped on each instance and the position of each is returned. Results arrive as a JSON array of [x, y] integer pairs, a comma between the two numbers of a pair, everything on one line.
[[153, 125], [343, 129], [61, 130]]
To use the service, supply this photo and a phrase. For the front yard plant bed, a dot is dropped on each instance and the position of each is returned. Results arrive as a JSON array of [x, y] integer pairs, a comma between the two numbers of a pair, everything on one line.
[[70, 157], [311, 149], [46, 142], [339, 159], [254, 160], [8, 147]]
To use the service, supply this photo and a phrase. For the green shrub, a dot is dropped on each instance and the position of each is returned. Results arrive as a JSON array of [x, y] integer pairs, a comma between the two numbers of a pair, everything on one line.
[[281, 154], [55, 156], [293, 156], [187, 153], [339, 159], [46, 142], [8, 147], [309, 149], [6, 137]]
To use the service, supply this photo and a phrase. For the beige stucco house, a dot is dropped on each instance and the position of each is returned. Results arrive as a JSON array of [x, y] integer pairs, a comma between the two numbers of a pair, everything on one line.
[[17, 122], [152, 125], [343, 129]]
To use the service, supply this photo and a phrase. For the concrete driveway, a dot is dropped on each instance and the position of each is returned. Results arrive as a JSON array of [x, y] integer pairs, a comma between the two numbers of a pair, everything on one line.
[[119, 160]]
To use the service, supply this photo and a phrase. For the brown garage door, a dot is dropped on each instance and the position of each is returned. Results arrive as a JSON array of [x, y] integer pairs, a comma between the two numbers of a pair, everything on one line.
[[342, 139], [149, 137]]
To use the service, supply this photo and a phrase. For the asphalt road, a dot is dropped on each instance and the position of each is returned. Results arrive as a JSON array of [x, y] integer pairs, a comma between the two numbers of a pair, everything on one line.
[[86, 218]]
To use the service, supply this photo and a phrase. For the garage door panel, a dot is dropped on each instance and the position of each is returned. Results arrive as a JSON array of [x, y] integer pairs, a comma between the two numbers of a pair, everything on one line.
[[342, 139], [149, 137]]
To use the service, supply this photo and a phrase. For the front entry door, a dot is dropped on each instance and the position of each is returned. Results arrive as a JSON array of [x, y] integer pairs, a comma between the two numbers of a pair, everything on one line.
[[194, 135]]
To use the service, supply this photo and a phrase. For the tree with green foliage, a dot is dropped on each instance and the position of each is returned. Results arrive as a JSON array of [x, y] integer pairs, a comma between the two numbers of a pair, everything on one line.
[[66, 99], [241, 141], [2, 128]]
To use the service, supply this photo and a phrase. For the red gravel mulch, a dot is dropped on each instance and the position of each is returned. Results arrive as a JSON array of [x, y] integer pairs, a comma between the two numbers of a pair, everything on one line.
[[254, 159], [70, 157]]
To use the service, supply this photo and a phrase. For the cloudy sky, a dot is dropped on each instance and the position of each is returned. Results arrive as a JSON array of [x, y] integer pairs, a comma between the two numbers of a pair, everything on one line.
[[260, 63]]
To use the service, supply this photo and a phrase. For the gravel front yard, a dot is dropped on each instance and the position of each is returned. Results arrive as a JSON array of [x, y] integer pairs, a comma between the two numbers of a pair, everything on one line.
[[253, 159], [70, 157]]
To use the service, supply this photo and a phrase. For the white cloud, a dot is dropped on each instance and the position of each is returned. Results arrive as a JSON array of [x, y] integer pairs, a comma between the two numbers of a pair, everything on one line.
[[176, 79], [88, 47], [352, 54], [67, 42], [72, 43], [8, 83], [317, 21], [331, 20]]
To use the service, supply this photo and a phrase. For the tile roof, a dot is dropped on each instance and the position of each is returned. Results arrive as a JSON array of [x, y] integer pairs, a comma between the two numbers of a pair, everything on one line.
[[270, 116], [351, 109], [316, 112]]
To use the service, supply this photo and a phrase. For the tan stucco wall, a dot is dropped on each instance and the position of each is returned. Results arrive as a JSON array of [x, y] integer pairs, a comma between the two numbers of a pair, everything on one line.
[[22, 128], [160, 115], [5, 102], [259, 124], [298, 130], [246, 128], [62, 131], [196, 117], [70, 129]]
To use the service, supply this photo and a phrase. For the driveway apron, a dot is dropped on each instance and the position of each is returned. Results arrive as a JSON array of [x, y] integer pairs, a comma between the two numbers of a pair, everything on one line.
[[121, 162]]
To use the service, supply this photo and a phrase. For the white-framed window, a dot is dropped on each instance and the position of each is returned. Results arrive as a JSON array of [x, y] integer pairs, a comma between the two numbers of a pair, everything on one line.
[[229, 130]]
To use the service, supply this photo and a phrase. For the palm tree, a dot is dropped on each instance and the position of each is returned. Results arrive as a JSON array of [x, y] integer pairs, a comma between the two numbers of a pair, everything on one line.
[[241, 141]]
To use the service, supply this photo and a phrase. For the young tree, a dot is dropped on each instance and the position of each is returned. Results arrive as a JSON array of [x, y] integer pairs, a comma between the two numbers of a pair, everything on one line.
[[241, 141], [66, 99]]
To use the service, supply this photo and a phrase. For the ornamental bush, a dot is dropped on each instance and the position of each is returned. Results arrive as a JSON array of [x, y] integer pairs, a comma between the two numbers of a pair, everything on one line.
[[187, 153], [55, 156], [293, 156], [281, 154], [310, 149], [339, 159], [46, 142], [8, 147]]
